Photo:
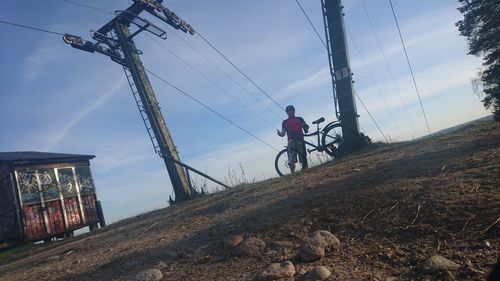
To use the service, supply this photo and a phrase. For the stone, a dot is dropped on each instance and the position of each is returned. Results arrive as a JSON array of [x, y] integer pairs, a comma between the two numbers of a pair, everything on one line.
[[275, 271], [317, 273], [324, 238], [149, 275], [249, 247], [391, 278], [438, 263], [233, 242], [310, 252]]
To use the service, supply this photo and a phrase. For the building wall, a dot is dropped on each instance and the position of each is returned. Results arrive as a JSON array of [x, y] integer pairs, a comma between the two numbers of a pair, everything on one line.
[[9, 226], [53, 199]]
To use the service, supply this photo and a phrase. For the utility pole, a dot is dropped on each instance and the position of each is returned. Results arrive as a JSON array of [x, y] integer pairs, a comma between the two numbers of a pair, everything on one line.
[[340, 69], [115, 40]]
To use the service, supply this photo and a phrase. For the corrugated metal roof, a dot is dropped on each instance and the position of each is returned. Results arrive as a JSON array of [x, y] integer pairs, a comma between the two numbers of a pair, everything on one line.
[[35, 156]]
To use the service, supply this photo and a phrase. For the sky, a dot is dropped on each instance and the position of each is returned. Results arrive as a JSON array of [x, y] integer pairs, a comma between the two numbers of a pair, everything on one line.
[[55, 98]]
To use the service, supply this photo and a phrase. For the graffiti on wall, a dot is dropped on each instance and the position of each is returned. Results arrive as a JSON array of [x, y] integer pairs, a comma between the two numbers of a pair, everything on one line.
[[67, 181], [84, 179], [48, 184], [28, 186]]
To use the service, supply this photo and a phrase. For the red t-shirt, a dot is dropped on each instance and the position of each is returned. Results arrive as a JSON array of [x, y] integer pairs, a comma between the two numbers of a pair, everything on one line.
[[293, 127]]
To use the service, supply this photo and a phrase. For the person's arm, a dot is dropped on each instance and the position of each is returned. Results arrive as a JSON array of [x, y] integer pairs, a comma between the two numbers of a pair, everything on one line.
[[283, 131], [305, 127]]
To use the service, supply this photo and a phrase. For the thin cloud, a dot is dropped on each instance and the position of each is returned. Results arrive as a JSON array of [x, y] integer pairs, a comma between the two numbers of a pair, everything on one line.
[[61, 134], [433, 81], [38, 61], [315, 79]]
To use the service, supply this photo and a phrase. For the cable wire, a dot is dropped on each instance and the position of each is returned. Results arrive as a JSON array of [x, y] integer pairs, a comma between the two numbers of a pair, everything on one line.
[[31, 27], [100, 10], [185, 93], [187, 43], [87, 6], [388, 66], [373, 80], [310, 23], [373, 119], [223, 72], [240, 71], [359, 98], [409, 65], [168, 83], [211, 81], [210, 109]]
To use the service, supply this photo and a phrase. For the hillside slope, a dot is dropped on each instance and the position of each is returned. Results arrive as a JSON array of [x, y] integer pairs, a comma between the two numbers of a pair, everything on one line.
[[392, 207]]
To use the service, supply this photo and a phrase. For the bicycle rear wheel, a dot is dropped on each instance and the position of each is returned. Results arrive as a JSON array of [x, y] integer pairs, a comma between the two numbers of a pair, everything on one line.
[[333, 138], [282, 165]]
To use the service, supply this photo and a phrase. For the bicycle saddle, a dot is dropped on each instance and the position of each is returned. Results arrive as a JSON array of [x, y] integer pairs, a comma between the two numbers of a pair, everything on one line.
[[319, 120]]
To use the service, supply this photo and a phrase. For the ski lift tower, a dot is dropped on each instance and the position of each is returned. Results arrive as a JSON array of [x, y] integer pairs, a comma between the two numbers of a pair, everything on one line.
[[340, 69], [115, 40]]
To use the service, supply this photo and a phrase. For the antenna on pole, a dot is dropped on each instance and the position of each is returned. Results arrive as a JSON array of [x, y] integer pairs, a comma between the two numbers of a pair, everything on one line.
[[115, 40]]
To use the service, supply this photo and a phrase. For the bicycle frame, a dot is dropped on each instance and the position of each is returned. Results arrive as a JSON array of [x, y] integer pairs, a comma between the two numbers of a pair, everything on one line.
[[318, 133]]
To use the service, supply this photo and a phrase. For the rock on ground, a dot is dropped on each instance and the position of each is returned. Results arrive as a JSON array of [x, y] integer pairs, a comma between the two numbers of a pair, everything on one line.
[[275, 271], [317, 273], [437, 264], [249, 247], [149, 275], [314, 246], [324, 238], [233, 242], [311, 252]]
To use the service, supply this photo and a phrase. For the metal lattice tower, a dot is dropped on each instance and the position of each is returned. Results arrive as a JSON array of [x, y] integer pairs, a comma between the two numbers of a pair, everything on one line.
[[115, 40]]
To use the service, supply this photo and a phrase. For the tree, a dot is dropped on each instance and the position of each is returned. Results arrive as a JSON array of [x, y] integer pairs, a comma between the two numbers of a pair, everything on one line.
[[481, 27]]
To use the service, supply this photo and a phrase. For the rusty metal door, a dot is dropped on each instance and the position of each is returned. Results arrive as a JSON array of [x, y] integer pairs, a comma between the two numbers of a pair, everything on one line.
[[70, 193], [73, 212], [51, 201], [55, 218], [89, 208], [87, 193], [34, 222], [33, 216]]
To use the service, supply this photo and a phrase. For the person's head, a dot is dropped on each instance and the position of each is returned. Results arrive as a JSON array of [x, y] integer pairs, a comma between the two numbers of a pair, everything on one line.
[[290, 110]]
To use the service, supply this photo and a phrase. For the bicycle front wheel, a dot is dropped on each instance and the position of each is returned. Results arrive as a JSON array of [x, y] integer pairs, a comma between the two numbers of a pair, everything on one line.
[[283, 166]]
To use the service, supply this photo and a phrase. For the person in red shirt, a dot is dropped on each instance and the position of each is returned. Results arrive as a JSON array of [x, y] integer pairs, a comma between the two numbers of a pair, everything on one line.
[[294, 127]]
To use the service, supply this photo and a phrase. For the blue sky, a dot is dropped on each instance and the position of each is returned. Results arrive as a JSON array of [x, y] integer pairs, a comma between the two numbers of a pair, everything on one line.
[[59, 99]]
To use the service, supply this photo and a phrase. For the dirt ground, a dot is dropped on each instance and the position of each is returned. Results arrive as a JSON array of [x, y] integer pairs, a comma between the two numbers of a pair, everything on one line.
[[391, 206]]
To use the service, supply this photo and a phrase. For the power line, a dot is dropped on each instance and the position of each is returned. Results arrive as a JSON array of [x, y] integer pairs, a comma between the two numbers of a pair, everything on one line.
[[373, 119], [388, 66], [409, 65], [31, 27], [171, 85], [210, 109], [373, 80], [224, 73], [211, 81], [87, 6], [191, 46], [359, 98], [240, 71], [310, 23]]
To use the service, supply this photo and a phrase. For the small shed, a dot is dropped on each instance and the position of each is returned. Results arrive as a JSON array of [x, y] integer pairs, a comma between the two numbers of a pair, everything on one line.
[[46, 195]]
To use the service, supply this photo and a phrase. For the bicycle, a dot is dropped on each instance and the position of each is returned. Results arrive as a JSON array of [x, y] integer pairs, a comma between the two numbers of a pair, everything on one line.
[[329, 139]]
